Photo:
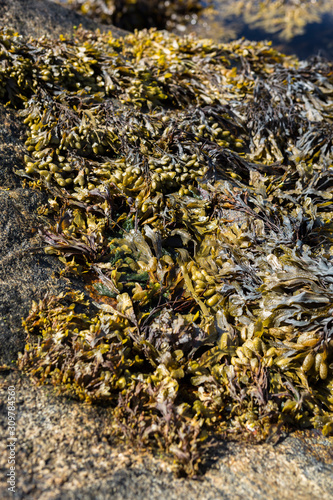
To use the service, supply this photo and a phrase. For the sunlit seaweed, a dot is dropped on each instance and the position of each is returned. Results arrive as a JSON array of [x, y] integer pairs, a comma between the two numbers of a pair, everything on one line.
[[191, 190]]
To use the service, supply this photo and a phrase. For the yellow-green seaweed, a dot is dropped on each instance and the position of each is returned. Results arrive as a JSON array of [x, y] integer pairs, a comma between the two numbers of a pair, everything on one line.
[[190, 189]]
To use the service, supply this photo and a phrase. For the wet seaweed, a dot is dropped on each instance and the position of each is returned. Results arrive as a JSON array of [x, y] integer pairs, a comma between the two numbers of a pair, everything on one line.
[[190, 190]]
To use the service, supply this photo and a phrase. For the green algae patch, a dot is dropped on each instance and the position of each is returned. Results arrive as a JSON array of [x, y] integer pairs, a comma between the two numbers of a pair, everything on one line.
[[190, 190]]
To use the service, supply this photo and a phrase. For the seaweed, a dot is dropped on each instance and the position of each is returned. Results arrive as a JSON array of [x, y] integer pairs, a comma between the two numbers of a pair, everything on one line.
[[190, 191]]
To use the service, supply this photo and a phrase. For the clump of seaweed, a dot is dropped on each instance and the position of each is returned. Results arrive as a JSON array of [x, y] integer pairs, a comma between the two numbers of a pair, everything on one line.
[[190, 189]]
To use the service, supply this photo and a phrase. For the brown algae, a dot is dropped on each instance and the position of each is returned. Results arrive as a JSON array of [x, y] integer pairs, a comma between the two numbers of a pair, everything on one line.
[[190, 188]]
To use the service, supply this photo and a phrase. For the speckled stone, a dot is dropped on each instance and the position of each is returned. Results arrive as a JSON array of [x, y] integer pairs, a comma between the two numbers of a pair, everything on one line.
[[65, 451]]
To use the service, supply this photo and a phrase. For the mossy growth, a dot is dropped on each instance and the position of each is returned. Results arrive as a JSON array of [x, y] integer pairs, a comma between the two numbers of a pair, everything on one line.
[[190, 189]]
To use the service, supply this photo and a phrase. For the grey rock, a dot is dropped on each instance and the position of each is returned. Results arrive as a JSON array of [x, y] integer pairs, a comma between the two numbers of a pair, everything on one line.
[[44, 17], [24, 273], [64, 451]]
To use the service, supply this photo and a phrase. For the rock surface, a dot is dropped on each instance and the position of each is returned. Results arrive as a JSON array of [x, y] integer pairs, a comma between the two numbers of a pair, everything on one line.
[[64, 452], [64, 449], [43, 17], [23, 274]]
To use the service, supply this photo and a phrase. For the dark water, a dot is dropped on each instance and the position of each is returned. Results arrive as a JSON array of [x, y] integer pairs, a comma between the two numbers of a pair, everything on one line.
[[223, 26], [317, 39]]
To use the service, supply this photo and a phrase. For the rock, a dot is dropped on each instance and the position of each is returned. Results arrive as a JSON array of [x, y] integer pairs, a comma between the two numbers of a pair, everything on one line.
[[43, 17], [24, 274], [64, 450]]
